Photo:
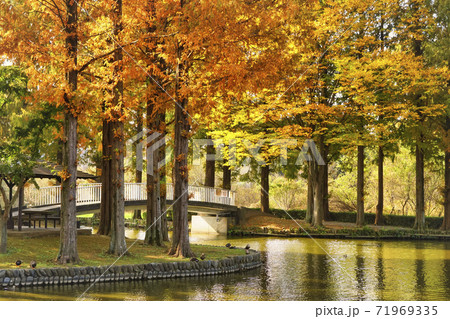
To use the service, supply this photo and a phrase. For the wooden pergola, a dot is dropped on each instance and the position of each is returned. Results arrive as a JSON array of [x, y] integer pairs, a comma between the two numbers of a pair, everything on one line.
[[44, 170], [53, 170]]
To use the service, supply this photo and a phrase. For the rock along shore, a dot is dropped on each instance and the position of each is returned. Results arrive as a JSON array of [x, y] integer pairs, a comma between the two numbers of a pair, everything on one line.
[[80, 275]]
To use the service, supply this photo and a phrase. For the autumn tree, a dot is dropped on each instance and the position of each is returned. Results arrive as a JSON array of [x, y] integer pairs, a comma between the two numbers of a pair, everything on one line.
[[215, 60], [436, 53], [117, 245], [46, 44], [424, 82], [68, 252], [308, 106]]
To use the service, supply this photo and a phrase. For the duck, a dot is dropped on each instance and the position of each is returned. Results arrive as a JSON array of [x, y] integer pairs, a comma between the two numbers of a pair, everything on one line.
[[202, 256], [18, 262], [247, 247], [33, 264], [228, 245], [194, 259]]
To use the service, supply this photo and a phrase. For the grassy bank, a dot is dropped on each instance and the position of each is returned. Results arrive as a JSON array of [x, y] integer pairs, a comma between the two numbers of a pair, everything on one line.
[[355, 232], [92, 251], [340, 225]]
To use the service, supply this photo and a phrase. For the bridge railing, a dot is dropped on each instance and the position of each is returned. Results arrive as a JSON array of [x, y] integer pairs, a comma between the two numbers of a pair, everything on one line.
[[92, 193]]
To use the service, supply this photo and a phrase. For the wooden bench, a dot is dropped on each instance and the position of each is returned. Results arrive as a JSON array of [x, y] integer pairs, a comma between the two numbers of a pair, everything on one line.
[[41, 217]]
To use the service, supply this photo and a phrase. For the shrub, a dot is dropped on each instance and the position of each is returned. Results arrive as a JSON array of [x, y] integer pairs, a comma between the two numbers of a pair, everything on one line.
[[389, 220], [350, 217]]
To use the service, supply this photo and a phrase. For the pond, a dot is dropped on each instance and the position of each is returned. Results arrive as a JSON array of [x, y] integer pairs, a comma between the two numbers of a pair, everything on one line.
[[295, 269]]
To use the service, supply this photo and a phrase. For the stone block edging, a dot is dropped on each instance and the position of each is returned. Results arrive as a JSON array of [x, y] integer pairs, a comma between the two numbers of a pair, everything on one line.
[[80, 275]]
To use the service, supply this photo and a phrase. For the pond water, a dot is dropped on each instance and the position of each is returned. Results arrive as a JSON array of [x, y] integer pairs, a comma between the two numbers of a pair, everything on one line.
[[295, 269]]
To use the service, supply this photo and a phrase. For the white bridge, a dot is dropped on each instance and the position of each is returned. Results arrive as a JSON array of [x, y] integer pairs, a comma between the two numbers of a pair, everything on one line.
[[92, 194], [212, 205]]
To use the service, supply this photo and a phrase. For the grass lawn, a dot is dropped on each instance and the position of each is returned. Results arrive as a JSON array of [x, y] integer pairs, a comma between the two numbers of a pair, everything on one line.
[[92, 251]]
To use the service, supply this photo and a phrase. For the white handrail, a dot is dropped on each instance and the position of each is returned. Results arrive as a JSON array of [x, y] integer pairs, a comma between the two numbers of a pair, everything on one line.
[[92, 193]]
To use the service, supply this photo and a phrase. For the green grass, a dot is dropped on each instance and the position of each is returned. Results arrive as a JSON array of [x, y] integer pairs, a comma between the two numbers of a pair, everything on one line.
[[93, 252]]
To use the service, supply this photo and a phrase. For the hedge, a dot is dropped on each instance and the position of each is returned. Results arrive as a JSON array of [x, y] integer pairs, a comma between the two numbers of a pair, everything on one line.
[[350, 217]]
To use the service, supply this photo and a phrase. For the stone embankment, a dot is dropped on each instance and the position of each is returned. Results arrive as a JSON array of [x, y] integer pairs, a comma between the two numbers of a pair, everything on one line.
[[80, 275]]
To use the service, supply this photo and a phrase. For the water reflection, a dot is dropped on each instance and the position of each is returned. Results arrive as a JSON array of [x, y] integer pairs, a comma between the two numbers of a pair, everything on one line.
[[295, 269], [380, 269]]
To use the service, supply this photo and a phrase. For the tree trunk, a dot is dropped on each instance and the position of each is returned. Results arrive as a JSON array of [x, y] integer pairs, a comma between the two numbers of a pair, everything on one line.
[[310, 196], [226, 180], [318, 211], [318, 186], [104, 227], [180, 241], [326, 205], [117, 244], [419, 223], [8, 203], [10, 222], [150, 214], [3, 233], [20, 208], [137, 214], [163, 180], [163, 190], [153, 235], [68, 252], [138, 170], [210, 167], [360, 188], [265, 170], [446, 221], [379, 220]]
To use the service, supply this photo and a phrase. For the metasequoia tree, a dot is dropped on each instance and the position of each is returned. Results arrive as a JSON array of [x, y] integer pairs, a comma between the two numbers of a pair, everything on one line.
[[424, 82], [244, 118], [117, 245], [156, 83], [218, 56], [68, 243], [46, 44], [107, 69], [382, 79], [358, 108], [61, 72], [104, 69], [308, 107], [152, 77], [437, 53]]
